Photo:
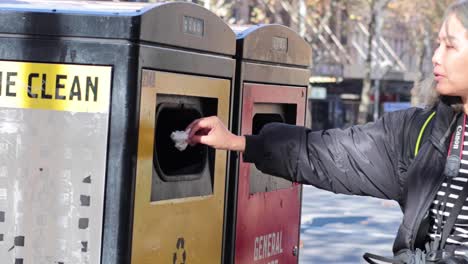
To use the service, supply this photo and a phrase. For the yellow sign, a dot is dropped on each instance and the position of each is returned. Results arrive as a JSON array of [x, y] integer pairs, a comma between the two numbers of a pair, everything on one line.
[[61, 87]]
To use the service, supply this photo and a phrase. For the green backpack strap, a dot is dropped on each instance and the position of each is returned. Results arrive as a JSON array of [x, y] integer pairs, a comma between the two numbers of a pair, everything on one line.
[[421, 133]]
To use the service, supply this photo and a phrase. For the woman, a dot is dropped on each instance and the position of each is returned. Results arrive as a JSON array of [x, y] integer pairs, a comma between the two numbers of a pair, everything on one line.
[[426, 173]]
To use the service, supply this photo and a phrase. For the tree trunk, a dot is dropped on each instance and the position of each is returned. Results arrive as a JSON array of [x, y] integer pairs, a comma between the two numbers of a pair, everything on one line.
[[423, 48], [367, 81], [379, 21], [415, 91], [302, 17], [243, 12]]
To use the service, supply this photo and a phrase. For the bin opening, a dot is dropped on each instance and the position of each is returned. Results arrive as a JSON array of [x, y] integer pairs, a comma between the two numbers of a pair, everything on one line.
[[180, 174], [172, 162], [260, 120], [265, 113], [320, 115]]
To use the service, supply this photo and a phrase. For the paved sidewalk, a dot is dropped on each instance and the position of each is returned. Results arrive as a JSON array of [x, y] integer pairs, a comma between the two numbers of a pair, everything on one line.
[[339, 229]]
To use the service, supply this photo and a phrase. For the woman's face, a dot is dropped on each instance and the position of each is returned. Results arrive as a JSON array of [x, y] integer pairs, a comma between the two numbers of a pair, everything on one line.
[[450, 59]]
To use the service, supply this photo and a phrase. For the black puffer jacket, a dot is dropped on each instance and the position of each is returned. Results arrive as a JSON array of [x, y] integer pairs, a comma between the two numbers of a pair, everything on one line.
[[376, 159]]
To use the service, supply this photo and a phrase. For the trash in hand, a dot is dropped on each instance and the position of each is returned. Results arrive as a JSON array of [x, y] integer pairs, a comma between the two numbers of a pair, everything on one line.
[[180, 139]]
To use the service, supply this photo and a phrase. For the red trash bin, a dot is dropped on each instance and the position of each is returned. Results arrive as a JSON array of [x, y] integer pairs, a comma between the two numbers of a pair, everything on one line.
[[272, 78]]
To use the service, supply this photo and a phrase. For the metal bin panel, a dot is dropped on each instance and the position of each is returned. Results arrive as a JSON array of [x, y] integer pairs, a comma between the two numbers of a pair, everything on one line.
[[267, 219], [189, 228]]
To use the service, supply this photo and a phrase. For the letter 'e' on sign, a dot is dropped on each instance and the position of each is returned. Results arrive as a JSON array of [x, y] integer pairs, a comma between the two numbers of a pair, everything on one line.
[[61, 87]]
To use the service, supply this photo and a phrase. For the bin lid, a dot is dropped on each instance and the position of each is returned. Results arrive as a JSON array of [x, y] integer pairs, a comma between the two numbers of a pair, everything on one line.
[[178, 24], [64, 6], [192, 26], [272, 43]]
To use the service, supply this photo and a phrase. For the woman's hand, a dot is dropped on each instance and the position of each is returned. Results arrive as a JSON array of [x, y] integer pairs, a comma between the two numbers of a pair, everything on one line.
[[212, 132]]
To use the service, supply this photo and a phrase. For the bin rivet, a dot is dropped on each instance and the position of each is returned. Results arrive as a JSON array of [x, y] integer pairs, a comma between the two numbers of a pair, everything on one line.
[[295, 251]]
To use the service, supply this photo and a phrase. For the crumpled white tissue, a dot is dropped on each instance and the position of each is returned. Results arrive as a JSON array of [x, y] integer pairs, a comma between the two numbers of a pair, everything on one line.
[[180, 139]]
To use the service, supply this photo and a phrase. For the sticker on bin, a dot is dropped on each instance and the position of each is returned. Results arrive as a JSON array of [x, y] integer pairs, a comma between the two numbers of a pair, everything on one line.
[[61, 87]]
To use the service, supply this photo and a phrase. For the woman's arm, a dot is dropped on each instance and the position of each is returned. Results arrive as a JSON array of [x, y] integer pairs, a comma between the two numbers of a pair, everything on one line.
[[212, 132], [361, 160]]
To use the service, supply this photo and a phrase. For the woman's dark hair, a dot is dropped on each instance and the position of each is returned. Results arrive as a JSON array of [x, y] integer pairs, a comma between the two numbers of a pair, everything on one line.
[[427, 93], [460, 10]]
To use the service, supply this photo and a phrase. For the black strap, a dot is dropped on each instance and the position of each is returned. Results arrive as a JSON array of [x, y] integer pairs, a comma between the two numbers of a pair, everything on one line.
[[455, 153], [371, 257], [452, 168], [440, 217]]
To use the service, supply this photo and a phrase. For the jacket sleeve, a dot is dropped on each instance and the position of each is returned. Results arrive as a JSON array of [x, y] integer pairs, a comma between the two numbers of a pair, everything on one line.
[[361, 160]]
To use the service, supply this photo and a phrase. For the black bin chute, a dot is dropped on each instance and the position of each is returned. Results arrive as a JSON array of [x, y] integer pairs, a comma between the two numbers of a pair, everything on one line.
[[187, 173]]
